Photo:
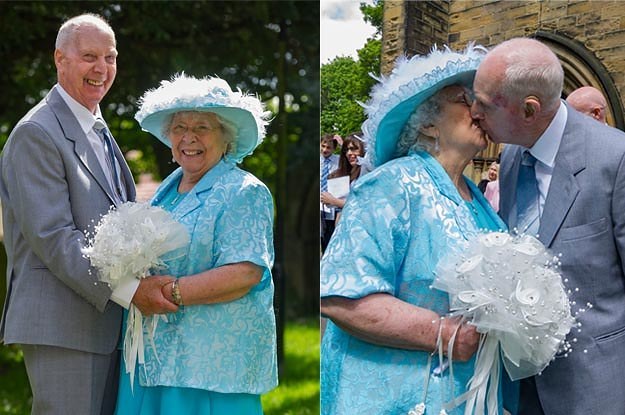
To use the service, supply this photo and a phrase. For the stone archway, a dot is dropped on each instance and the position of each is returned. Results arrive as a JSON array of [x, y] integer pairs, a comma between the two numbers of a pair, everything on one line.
[[581, 67]]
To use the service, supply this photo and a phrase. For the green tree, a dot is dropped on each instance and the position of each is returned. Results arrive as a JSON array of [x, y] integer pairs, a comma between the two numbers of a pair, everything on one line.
[[346, 82], [374, 14]]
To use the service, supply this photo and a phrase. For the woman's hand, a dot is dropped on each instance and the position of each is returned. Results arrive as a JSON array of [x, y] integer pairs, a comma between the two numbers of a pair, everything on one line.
[[388, 321], [327, 199], [167, 291], [467, 338], [149, 297]]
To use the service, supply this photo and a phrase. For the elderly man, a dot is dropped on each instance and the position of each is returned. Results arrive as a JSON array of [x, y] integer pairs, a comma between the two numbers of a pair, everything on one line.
[[60, 172], [563, 177], [590, 101]]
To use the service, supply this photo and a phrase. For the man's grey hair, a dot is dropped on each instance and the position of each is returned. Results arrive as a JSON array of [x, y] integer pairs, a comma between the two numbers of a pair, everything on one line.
[[69, 29], [543, 78]]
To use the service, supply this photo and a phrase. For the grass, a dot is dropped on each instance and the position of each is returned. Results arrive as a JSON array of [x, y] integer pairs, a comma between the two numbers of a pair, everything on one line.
[[298, 393]]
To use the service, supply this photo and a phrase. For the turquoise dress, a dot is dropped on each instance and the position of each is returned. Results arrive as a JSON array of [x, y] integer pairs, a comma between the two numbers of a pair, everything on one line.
[[398, 222], [214, 359]]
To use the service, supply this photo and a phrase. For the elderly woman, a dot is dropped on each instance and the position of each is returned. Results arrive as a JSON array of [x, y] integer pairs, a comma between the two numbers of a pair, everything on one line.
[[399, 221], [217, 354]]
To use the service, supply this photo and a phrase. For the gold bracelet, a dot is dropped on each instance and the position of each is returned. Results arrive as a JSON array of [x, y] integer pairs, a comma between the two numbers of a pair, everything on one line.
[[175, 292]]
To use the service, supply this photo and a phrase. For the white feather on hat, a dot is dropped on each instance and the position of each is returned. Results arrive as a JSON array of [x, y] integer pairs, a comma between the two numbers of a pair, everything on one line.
[[210, 94], [412, 81]]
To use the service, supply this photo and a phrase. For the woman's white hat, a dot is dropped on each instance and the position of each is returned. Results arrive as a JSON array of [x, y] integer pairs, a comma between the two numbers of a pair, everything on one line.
[[246, 113], [412, 81]]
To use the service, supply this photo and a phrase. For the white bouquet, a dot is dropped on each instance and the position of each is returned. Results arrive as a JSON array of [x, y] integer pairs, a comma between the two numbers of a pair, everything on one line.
[[128, 243], [508, 286]]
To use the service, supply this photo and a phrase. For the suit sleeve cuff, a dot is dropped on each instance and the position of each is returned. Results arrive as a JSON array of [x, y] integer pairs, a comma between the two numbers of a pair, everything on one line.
[[124, 292]]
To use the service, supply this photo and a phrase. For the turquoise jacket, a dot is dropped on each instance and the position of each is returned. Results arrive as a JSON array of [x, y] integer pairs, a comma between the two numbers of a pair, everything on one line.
[[399, 221], [226, 347]]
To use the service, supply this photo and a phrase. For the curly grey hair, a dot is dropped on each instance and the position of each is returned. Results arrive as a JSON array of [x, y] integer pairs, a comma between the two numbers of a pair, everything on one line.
[[411, 137]]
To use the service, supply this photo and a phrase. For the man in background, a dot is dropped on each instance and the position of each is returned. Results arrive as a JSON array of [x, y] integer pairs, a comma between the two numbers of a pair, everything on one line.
[[328, 162], [590, 101]]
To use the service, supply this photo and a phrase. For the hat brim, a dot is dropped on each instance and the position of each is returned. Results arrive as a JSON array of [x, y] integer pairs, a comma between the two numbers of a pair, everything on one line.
[[243, 121], [392, 124]]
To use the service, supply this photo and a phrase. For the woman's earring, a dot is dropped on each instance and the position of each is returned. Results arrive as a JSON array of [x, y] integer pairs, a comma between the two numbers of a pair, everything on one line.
[[437, 146]]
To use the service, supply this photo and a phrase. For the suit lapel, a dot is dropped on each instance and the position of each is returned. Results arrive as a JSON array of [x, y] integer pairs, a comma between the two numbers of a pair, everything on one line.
[[563, 190], [82, 148]]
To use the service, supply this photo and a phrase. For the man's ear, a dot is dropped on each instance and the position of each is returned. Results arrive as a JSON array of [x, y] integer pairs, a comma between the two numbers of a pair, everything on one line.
[[531, 106], [596, 113], [58, 57]]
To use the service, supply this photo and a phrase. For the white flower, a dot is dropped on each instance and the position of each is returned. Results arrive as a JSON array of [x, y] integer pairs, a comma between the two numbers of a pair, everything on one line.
[[494, 239], [419, 409], [509, 288], [527, 296], [470, 264], [130, 241]]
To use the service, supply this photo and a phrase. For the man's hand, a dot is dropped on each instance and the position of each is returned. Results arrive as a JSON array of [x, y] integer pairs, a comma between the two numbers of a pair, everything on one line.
[[149, 297]]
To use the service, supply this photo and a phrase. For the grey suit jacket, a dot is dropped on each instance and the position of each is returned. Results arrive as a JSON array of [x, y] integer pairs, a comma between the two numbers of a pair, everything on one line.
[[584, 220], [53, 190]]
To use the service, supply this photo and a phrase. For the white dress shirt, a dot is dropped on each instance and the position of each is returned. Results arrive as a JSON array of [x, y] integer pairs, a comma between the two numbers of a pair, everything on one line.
[[545, 150]]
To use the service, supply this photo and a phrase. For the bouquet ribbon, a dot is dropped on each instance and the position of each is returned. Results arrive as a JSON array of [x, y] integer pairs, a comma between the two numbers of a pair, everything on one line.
[[509, 288], [134, 350], [479, 391], [128, 242], [133, 342]]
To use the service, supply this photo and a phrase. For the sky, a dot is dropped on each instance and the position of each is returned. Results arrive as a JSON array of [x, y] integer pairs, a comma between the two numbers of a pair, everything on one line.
[[343, 29]]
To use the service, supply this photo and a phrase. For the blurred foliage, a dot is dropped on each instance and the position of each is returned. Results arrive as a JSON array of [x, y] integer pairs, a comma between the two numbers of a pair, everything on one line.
[[238, 41], [346, 82], [15, 395]]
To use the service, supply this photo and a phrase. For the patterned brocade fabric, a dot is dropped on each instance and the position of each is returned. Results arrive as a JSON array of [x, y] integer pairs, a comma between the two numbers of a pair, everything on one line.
[[399, 221], [226, 347]]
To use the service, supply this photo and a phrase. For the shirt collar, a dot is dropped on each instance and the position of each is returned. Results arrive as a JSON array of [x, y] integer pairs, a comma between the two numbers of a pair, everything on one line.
[[547, 145], [85, 118]]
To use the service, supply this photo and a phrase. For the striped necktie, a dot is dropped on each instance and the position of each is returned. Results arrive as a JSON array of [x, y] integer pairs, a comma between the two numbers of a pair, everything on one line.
[[325, 172], [528, 197], [109, 155]]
